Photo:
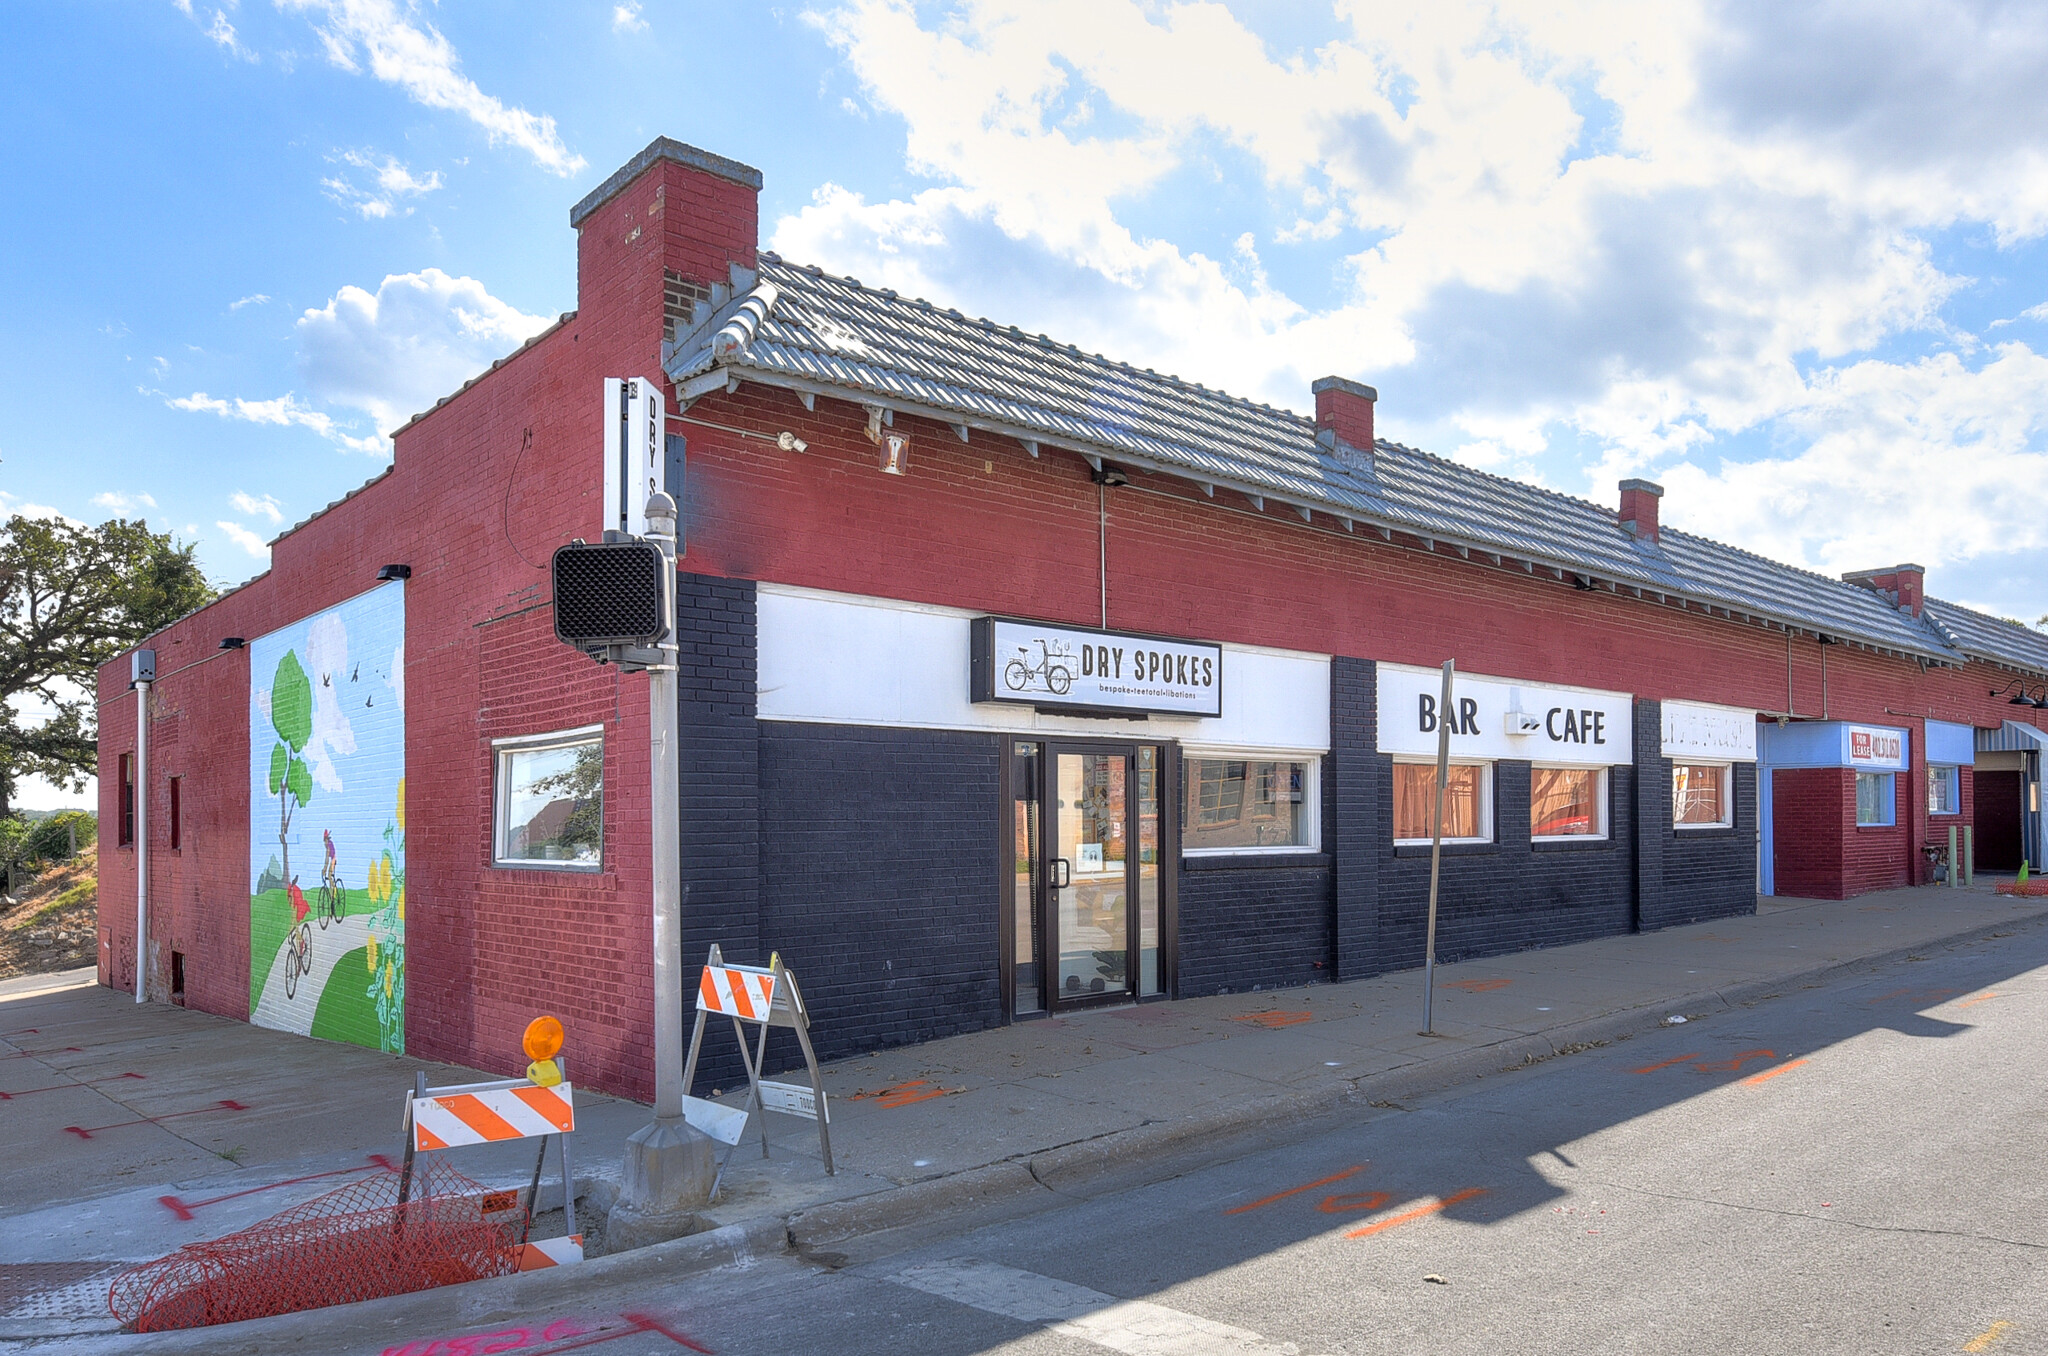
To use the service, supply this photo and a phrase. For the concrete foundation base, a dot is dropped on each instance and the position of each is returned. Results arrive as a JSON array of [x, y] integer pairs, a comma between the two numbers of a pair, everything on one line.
[[669, 1169]]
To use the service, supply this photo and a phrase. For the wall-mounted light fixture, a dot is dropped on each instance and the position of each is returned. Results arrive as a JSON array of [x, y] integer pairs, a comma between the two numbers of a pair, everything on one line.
[[395, 572], [1112, 476], [789, 442], [232, 642], [895, 454], [2022, 699]]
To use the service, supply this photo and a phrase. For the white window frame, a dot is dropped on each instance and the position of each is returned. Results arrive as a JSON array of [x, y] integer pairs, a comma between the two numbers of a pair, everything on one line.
[[1311, 798], [1890, 802], [1726, 818], [1600, 801], [1955, 789], [501, 802], [1488, 833]]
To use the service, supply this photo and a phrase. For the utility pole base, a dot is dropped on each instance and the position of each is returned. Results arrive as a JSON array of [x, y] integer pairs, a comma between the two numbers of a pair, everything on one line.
[[670, 1166]]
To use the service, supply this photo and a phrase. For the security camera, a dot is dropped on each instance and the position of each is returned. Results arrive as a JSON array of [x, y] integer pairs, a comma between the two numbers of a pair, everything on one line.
[[789, 442]]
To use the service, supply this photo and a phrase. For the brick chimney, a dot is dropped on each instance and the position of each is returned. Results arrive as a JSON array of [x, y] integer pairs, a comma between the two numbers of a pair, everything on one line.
[[1904, 585], [1638, 515], [1344, 409], [673, 219]]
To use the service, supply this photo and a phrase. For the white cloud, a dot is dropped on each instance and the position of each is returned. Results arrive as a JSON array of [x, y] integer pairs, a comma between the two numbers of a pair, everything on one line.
[[266, 507], [417, 338], [114, 501], [253, 299], [285, 410], [11, 505], [333, 736], [407, 52], [244, 538], [391, 180], [1626, 224], [626, 18], [223, 33]]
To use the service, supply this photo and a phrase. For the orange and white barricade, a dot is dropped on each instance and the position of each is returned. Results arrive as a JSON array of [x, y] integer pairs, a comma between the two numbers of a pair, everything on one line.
[[767, 998], [541, 1105]]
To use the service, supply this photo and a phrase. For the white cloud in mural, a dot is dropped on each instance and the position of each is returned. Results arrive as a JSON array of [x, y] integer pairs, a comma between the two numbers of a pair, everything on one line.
[[327, 666], [396, 680]]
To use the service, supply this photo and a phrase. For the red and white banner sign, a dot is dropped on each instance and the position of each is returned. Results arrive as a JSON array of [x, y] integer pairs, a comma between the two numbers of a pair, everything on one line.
[[1874, 744]]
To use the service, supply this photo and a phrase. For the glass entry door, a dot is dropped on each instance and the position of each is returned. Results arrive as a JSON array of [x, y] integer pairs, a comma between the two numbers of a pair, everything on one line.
[[1086, 889]]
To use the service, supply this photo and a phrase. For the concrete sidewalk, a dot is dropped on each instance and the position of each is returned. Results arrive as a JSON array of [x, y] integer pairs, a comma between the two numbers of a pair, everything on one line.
[[134, 1130]]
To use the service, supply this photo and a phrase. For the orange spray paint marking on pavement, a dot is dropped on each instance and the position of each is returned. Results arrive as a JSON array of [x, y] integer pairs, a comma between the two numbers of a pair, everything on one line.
[[183, 1209], [1363, 1200], [1652, 1068], [1296, 1191], [904, 1094], [1419, 1212], [1270, 1020], [87, 1132], [1734, 1062], [1984, 997], [1479, 985], [1768, 1074], [1983, 1340]]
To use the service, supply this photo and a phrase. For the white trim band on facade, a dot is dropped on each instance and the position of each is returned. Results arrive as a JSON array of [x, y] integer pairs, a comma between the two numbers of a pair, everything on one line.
[[843, 659]]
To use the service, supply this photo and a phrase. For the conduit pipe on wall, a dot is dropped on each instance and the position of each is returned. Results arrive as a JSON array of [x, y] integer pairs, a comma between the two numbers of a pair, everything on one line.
[[141, 801]]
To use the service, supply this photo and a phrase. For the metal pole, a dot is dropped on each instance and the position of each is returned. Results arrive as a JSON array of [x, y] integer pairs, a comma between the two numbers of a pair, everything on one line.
[[1970, 855], [1436, 845], [141, 794], [1955, 875], [666, 804]]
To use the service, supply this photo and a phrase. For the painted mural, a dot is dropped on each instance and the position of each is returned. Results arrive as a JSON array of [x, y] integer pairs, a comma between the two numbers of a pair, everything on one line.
[[327, 823]]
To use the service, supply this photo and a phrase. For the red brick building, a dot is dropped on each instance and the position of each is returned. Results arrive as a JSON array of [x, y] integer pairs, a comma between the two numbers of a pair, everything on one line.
[[1014, 679]]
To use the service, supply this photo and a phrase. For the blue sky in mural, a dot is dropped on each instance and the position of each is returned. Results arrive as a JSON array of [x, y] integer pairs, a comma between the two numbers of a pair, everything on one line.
[[1789, 259], [356, 756]]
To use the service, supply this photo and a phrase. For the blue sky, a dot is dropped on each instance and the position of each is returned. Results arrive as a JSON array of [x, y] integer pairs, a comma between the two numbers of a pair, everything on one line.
[[1788, 260]]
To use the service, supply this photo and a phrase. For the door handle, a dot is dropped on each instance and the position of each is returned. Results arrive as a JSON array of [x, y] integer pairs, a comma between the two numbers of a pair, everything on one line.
[[1062, 873]]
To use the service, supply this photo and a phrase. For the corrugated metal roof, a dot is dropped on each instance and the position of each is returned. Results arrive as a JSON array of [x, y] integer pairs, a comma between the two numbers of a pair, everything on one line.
[[807, 329], [1982, 636]]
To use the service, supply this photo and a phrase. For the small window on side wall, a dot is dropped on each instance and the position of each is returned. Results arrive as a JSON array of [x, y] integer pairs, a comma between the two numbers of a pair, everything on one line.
[[1875, 802], [1468, 803], [550, 801], [1702, 795], [1249, 804], [1944, 789]]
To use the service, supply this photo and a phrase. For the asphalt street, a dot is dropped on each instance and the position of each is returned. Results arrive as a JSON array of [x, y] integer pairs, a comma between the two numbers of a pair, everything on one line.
[[1852, 1167]]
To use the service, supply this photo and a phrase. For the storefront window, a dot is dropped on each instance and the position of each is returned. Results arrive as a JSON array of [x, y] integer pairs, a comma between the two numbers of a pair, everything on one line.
[[550, 801], [1568, 802], [1944, 790], [1249, 804], [1874, 799], [1700, 796], [1468, 799]]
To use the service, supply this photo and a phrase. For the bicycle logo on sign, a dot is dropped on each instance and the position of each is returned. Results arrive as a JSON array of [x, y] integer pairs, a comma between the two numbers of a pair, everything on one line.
[[1054, 671]]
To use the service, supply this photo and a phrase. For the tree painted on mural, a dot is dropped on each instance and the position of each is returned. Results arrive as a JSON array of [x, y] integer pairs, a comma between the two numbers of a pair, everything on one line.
[[291, 715], [385, 954]]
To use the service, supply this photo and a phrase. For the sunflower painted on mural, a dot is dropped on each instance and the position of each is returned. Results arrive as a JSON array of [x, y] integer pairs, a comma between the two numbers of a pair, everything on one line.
[[385, 954]]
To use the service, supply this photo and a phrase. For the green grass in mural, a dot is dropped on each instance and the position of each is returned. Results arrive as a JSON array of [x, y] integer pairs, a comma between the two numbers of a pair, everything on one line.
[[346, 1011], [270, 918]]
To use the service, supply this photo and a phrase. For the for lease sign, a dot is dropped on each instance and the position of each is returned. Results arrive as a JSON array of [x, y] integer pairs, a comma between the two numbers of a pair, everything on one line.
[[1875, 744]]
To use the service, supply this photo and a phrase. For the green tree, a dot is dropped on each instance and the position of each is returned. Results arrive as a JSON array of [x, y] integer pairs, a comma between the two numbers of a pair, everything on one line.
[[291, 715], [72, 598]]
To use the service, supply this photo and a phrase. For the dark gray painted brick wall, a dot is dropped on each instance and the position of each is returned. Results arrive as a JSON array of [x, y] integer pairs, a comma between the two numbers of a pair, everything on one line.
[[879, 875], [1512, 894], [1699, 874], [1351, 816]]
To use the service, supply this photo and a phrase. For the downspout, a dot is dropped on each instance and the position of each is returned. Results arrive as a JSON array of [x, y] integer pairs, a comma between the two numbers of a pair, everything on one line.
[[1824, 643], [1790, 709], [141, 794]]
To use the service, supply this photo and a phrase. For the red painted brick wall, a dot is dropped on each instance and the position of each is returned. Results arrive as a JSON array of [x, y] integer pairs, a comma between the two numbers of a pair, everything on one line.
[[485, 486], [1812, 810]]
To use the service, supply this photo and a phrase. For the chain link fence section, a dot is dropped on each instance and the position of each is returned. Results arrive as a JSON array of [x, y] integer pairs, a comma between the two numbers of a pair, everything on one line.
[[356, 1242]]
